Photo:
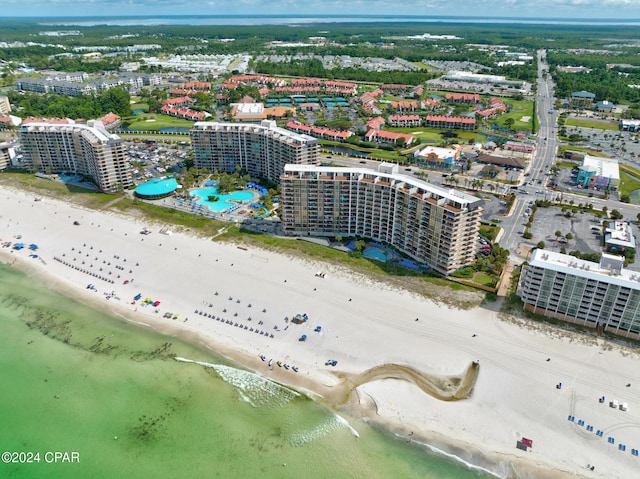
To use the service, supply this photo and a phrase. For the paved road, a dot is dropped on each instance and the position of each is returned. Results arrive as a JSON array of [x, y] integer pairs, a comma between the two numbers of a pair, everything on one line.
[[545, 155]]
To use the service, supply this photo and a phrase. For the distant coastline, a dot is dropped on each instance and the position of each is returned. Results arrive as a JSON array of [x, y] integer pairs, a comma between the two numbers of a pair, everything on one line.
[[249, 20]]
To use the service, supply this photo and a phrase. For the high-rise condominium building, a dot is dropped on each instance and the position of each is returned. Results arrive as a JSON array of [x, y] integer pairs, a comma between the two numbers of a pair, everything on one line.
[[260, 149], [87, 150], [433, 225], [590, 294]]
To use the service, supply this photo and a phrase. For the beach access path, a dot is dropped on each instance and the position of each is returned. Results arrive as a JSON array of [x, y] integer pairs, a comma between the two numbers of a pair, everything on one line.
[[363, 324]]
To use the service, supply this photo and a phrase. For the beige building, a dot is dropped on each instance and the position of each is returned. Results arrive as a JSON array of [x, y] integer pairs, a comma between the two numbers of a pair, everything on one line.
[[87, 150], [435, 226], [262, 149], [7, 154], [5, 106]]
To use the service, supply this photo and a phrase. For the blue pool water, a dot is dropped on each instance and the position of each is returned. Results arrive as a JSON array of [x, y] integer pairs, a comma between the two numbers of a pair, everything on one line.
[[225, 201], [377, 254]]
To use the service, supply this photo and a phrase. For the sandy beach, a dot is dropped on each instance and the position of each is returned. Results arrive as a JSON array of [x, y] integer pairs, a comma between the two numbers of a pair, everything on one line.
[[400, 353]]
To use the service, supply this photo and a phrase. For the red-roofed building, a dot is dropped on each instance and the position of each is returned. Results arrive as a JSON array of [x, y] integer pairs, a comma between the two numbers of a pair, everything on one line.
[[186, 113], [185, 92], [259, 79], [381, 136], [318, 131], [431, 103], [5, 121], [394, 88], [470, 98], [196, 85], [405, 105], [306, 81], [180, 101], [375, 123], [369, 101], [109, 120], [404, 121], [52, 121], [521, 147], [453, 122]]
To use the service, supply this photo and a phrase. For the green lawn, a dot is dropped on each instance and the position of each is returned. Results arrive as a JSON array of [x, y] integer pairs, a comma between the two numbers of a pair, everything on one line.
[[628, 183], [520, 109], [153, 122], [566, 164], [593, 123], [581, 149], [433, 135], [484, 279], [140, 106]]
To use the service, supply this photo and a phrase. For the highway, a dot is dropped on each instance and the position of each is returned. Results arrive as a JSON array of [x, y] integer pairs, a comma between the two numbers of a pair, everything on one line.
[[535, 183]]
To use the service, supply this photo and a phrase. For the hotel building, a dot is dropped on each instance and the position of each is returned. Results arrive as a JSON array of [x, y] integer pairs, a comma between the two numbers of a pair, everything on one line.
[[435, 226], [590, 294], [260, 149], [87, 150]]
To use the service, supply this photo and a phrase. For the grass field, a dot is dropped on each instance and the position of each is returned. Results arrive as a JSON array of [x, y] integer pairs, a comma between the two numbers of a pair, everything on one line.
[[519, 109], [433, 135], [566, 164], [484, 279], [140, 106], [593, 123], [629, 180], [581, 149], [153, 122]]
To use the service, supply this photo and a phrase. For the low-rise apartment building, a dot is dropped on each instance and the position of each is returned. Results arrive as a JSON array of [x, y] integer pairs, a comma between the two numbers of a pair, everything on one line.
[[435, 226], [599, 295]]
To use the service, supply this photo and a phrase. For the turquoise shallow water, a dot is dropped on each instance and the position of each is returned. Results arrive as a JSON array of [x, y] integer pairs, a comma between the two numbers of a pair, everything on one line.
[[76, 380], [224, 200]]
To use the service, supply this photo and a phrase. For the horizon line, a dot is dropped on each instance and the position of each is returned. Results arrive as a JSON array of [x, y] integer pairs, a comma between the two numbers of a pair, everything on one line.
[[312, 15]]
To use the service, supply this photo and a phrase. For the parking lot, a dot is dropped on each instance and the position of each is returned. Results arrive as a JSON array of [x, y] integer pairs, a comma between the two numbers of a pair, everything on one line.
[[584, 227]]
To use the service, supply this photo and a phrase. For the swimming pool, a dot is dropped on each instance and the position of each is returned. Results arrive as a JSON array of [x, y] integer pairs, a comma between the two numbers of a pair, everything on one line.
[[224, 201], [377, 254]]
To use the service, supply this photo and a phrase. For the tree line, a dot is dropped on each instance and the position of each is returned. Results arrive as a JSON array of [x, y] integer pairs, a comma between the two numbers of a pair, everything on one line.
[[52, 105]]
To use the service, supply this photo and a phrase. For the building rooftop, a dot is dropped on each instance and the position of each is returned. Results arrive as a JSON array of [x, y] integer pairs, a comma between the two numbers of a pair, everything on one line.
[[606, 167], [619, 233], [609, 270], [388, 172], [439, 152]]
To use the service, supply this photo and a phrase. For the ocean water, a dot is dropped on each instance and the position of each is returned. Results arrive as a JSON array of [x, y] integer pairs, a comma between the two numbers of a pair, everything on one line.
[[75, 380], [295, 19]]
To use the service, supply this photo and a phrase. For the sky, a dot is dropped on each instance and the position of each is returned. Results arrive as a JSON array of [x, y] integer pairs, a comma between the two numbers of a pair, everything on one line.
[[600, 9]]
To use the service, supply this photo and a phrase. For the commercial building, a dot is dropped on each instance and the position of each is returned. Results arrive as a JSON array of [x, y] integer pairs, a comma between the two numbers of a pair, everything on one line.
[[599, 173], [87, 150], [437, 158], [589, 294], [619, 237], [435, 226], [262, 149], [582, 99]]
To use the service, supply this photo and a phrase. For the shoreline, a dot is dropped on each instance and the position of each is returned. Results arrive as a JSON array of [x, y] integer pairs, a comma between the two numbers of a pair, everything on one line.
[[376, 328]]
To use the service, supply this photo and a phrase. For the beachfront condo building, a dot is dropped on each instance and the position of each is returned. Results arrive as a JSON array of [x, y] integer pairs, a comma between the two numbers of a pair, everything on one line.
[[261, 149], [88, 150], [599, 295], [435, 226]]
